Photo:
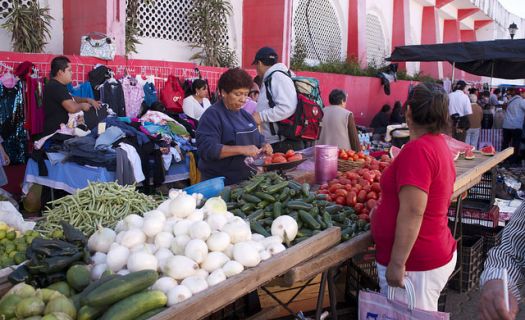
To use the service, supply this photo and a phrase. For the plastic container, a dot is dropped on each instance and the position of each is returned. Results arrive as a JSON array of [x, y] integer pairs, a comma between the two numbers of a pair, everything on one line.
[[209, 188], [325, 163]]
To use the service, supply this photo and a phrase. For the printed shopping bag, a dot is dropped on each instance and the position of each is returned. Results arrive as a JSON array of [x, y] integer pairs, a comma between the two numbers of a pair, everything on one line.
[[103, 47], [375, 306]]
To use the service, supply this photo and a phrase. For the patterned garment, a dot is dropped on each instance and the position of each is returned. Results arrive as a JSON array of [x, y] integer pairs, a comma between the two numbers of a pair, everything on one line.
[[133, 96], [12, 123]]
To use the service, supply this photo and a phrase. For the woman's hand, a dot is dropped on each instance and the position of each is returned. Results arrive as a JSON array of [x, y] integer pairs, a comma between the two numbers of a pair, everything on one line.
[[95, 104], [267, 149], [250, 151], [492, 306], [395, 275]]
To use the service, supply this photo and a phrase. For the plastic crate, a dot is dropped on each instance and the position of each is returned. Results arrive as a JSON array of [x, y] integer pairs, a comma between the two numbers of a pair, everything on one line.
[[481, 196], [491, 236], [472, 264], [361, 274], [442, 302], [486, 217]]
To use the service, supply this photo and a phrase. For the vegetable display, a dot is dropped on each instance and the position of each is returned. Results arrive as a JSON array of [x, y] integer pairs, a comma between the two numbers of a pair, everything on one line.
[[98, 204], [13, 245], [278, 157], [272, 204]]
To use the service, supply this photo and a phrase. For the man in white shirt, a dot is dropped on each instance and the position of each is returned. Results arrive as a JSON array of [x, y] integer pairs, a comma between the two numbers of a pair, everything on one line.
[[459, 108]]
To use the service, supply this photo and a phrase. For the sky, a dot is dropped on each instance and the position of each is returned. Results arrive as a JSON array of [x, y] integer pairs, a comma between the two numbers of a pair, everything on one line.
[[516, 7]]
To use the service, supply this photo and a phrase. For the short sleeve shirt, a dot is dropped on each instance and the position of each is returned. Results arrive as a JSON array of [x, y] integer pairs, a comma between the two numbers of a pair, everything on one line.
[[54, 113], [425, 163]]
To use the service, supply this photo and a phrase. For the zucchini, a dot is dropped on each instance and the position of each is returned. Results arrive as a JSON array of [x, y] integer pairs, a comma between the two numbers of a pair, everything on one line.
[[327, 219], [284, 193], [226, 193], [247, 207], [254, 183], [333, 209], [231, 205], [299, 205], [294, 185], [90, 313], [265, 196], [257, 228], [250, 198], [139, 303], [276, 187], [310, 198], [314, 211], [305, 188], [268, 214], [319, 220], [262, 204], [277, 209], [309, 220], [256, 215], [150, 314], [239, 213], [119, 288]]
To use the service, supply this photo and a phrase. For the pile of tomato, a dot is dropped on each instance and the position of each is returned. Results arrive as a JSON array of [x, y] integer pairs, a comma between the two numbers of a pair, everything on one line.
[[279, 157], [358, 188], [354, 156]]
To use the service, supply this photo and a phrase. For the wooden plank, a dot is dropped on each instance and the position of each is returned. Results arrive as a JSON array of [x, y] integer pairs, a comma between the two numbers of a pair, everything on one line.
[[226, 292], [4, 287], [328, 259]]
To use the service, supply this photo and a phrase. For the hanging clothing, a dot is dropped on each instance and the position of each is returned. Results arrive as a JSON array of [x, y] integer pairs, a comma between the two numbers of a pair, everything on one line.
[[113, 94], [3, 177], [34, 105], [133, 96], [150, 94], [12, 123], [83, 90]]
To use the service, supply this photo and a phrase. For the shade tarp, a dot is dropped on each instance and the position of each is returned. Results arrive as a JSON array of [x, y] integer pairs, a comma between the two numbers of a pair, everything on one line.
[[499, 58]]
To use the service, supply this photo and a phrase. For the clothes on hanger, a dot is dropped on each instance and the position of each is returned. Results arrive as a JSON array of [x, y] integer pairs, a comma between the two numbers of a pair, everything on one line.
[[133, 96], [12, 123]]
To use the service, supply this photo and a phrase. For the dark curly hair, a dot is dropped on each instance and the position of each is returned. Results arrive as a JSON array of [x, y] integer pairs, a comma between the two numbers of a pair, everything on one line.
[[429, 107], [233, 79]]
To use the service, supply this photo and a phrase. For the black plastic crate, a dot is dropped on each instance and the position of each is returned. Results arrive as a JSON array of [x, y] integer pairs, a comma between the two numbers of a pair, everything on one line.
[[481, 196], [442, 302], [491, 236], [471, 263], [361, 274]]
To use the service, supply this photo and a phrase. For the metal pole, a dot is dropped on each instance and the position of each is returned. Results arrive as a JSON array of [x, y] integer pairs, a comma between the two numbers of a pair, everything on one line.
[[453, 72], [491, 74]]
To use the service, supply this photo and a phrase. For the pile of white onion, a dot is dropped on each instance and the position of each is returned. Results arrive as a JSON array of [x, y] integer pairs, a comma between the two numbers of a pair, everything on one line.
[[193, 249]]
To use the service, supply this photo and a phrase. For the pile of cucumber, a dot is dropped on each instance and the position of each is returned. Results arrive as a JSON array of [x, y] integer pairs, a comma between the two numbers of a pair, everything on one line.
[[266, 196]]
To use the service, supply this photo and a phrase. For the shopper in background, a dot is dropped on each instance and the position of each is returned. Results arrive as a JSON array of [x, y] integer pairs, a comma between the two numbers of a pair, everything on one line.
[[283, 95], [509, 255], [338, 125], [251, 102], [459, 109], [227, 134], [397, 116], [410, 224], [494, 98], [475, 122], [513, 124], [195, 104], [488, 110], [380, 122]]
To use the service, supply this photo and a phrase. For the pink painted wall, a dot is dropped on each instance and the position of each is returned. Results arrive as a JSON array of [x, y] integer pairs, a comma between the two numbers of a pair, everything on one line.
[[356, 26], [429, 32]]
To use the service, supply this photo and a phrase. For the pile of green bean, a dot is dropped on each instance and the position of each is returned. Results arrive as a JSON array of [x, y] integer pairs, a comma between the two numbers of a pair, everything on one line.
[[99, 204]]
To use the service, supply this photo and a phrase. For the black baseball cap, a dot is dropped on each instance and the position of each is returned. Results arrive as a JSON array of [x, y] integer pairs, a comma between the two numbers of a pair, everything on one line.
[[267, 54]]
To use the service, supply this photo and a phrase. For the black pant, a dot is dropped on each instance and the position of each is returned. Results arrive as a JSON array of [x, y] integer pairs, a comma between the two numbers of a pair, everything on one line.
[[512, 137], [287, 144]]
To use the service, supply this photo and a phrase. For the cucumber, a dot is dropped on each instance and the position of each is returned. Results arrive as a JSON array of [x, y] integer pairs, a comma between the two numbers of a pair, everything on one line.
[[294, 185], [284, 193], [299, 205], [327, 219], [250, 198], [90, 313], [276, 187], [120, 288], [247, 207], [231, 205], [333, 209], [239, 213], [319, 220], [139, 303], [264, 196], [226, 193], [309, 220], [305, 188], [262, 204], [150, 314], [256, 215], [277, 209], [93, 286], [254, 183], [257, 228]]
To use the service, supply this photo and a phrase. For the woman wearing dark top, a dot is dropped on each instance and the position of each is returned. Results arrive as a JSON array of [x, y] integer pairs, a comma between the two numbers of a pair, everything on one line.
[[380, 122], [227, 134], [397, 116], [58, 102]]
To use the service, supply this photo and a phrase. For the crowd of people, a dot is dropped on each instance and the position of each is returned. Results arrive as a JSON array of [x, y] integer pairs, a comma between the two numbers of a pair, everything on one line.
[[409, 225]]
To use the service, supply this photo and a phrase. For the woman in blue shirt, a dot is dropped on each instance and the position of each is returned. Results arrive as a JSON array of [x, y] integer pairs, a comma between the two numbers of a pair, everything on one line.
[[227, 134]]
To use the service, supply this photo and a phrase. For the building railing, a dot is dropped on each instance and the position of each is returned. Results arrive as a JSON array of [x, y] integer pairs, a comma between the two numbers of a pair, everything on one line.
[[498, 13]]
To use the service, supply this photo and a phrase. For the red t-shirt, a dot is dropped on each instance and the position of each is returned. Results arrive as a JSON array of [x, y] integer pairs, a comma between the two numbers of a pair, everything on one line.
[[425, 163]]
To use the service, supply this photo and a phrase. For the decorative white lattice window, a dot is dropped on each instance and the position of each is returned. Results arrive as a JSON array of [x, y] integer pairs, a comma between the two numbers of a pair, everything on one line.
[[166, 19], [376, 50], [319, 33], [7, 5]]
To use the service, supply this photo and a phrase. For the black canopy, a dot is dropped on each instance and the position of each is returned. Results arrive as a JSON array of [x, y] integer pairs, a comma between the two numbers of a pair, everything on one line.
[[499, 58]]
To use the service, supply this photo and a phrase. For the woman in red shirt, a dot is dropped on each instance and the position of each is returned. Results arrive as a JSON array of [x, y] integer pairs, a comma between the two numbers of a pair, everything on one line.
[[410, 224]]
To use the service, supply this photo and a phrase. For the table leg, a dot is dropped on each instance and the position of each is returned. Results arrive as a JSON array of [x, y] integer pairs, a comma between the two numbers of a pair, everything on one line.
[[332, 293], [320, 297], [458, 235]]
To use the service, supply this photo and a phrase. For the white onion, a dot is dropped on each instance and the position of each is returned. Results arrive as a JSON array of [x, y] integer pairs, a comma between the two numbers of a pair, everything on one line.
[[197, 250], [218, 241], [178, 294], [196, 284]]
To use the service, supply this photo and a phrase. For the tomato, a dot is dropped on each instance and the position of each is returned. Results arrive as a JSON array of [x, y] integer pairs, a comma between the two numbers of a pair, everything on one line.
[[340, 200], [341, 192], [371, 204], [361, 196], [268, 160], [350, 152], [295, 157], [372, 195], [344, 181], [324, 186], [335, 187], [277, 154], [289, 153], [351, 198], [376, 187], [367, 176], [364, 216], [348, 187], [359, 207], [343, 155], [333, 181], [279, 159], [385, 157]]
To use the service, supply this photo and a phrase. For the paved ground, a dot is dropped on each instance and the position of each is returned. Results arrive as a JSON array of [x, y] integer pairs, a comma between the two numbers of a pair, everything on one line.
[[465, 306]]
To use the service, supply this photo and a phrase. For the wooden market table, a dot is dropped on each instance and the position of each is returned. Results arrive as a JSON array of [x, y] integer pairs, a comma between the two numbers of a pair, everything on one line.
[[468, 174]]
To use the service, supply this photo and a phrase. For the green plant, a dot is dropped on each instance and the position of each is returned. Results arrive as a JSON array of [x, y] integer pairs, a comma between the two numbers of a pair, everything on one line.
[[132, 24], [297, 60], [29, 26], [208, 19]]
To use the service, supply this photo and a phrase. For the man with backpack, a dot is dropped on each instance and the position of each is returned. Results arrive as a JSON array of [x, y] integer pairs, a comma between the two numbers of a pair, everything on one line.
[[277, 100]]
